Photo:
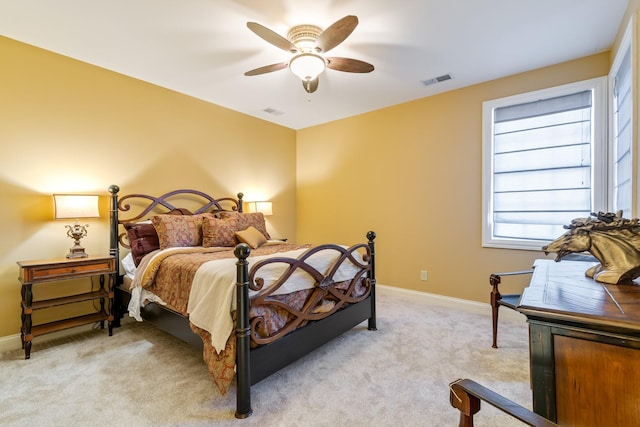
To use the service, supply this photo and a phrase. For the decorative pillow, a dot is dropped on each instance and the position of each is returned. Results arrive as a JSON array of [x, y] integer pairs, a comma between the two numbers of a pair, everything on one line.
[[143, 239], [219, 232], [252, 237], [178, 230], [179, 211], [246, 220]]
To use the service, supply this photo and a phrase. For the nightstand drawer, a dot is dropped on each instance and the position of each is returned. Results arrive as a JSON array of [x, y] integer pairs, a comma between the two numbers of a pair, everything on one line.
[[63, 269]]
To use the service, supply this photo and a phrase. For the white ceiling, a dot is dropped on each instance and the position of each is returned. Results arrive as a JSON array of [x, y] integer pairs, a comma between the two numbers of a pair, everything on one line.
[[203, 47]]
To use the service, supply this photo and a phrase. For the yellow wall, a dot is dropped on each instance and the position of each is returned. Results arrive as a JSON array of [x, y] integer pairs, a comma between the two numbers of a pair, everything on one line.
[[413, 174], [66, 126]]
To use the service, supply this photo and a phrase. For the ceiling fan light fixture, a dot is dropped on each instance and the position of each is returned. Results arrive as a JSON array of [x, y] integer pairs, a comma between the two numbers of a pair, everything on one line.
[[307, 66], [308, 44]]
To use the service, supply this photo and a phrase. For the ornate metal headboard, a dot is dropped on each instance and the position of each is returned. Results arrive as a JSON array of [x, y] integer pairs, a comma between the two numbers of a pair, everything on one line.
[[141, 206]]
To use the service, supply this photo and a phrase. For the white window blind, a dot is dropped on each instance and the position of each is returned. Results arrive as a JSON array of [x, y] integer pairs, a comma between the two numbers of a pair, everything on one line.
[[542, 166]]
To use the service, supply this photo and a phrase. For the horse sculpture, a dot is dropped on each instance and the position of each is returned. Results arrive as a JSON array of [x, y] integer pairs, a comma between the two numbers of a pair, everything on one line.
[[611, 239]]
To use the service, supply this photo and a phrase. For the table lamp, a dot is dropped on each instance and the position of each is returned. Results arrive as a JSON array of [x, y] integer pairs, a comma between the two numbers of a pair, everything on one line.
[[266, 208], [76, 206]]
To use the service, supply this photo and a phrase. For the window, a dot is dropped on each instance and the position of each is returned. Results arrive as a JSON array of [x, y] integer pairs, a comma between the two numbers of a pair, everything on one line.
[[544, 163]]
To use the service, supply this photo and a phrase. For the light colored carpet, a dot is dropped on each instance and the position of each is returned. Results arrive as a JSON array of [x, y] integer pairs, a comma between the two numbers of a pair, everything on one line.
[[396, 376]]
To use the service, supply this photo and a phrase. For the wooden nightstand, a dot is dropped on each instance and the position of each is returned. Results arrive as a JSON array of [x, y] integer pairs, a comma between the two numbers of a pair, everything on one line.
[[50, 270]]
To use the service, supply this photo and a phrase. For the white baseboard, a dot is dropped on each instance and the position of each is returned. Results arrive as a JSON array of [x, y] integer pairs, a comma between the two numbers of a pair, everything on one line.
[[458, 303]]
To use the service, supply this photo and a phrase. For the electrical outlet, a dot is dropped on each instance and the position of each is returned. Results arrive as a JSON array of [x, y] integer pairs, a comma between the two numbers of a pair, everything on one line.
[[423, 275]]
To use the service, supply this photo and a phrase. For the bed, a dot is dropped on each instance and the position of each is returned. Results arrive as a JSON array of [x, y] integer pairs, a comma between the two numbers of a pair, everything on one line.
[[211, 275]]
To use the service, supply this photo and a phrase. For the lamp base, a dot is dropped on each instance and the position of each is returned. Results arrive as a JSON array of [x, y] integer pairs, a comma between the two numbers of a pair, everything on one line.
[[77, 252]]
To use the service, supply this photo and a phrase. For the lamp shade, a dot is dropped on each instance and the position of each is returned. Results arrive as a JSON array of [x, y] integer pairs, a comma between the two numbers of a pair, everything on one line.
[[75, 206], [266, 208], [307, 66]]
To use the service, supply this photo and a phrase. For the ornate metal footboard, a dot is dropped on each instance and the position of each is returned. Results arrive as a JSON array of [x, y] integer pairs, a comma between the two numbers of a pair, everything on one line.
[[350, 308], [329, 295]]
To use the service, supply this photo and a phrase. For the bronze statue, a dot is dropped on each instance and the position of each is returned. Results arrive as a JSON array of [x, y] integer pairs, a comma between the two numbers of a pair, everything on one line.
[[611, 239]]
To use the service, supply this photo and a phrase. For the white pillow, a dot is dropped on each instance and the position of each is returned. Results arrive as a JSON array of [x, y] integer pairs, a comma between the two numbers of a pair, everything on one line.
[[129, 266]]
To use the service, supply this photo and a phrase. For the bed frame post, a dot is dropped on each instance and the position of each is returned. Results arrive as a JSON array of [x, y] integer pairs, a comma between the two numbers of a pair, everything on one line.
[[114, 248], [240, 202], [114, 251], [372, 277], [243, 374]]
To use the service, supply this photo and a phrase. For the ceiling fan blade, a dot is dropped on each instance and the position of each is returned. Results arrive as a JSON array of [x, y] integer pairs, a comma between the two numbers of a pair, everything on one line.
[[349, 65], [336, 33], [272, 37], [310, 85], [266, 69]]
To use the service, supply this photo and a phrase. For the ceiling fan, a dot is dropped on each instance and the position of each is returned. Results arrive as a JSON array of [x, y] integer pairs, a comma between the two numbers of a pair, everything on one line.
[[308, 43]]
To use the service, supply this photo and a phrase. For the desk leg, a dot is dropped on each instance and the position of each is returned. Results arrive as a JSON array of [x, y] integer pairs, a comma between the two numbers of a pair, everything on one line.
[[542, 370]]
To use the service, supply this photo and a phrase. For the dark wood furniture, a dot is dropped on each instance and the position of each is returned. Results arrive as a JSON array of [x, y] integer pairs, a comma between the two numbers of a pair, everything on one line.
[[257, 363], [584, 339], [39, 272], [498, 300]]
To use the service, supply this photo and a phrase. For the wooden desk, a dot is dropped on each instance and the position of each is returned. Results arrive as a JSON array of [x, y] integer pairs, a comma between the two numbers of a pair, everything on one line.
[[584, 343]]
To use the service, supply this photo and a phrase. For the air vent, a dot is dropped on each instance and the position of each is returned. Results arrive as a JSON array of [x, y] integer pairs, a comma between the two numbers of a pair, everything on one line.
[[439, 79], [273, 111]]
